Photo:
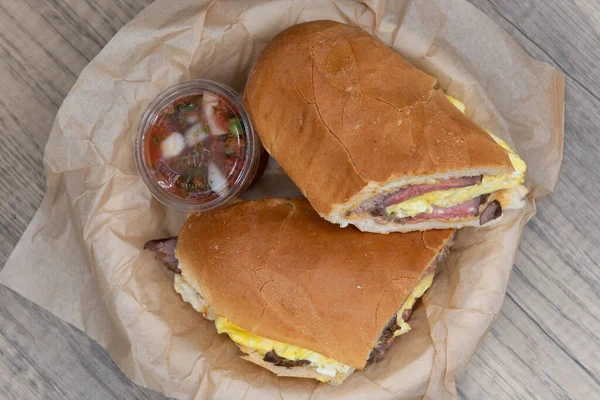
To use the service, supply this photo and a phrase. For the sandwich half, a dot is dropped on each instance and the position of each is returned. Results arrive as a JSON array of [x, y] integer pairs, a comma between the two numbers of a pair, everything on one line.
[[370, 140], [300, 296]]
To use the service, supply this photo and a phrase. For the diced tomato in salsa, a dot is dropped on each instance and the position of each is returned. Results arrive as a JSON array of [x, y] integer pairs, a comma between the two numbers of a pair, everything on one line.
[[190, 159]]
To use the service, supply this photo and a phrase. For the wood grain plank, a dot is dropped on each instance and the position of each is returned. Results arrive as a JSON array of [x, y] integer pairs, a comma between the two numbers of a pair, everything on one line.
[[42, 357], [44, 45], [551, 315], [544, 342]]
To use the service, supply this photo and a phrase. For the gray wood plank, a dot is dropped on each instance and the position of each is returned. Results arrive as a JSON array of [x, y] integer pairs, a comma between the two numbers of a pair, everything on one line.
[[42, 357], [543, 344], [44, 45]]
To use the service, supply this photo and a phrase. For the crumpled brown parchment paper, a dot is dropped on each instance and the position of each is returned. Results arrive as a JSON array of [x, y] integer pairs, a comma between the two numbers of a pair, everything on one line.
[[81, 255]]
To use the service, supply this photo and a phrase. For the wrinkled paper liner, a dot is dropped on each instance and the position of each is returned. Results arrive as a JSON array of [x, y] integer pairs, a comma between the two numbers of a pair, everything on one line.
[[81, 256]]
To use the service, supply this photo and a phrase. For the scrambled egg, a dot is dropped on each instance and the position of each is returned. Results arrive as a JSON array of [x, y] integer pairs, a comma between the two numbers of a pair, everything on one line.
[[457, 103], [417, 292], [452, 197], [327, 367], [324, 366]]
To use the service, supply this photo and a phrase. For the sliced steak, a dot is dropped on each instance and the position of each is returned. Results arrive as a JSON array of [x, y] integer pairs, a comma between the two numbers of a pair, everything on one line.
[[387, 199], [492, 211], [406, 314], [387, 335], [165, 252], [272, 357], [384, 342]]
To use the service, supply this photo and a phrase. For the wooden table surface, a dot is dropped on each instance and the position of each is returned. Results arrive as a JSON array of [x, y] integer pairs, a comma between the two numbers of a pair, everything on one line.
[[545, 344]]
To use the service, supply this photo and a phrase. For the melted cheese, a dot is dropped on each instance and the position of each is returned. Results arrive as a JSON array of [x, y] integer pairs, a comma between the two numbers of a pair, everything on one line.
[[452, 197], [324, 366], [417, 292]]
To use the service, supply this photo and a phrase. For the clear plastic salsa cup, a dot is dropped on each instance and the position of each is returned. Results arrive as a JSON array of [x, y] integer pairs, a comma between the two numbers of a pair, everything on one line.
[[195, 147]]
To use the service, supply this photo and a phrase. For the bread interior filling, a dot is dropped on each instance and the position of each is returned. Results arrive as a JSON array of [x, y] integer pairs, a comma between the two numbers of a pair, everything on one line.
[[283, 354], [447, 199]]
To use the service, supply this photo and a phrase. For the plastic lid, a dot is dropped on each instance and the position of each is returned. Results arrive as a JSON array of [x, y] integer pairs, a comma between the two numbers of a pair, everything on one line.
[[195, 147]]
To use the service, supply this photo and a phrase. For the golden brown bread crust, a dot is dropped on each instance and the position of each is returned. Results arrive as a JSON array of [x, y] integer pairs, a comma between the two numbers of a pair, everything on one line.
[[339, 109], [274, 267]]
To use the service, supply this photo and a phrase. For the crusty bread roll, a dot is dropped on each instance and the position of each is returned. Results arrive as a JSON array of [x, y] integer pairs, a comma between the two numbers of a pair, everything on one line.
[[348, 118], [274, 268]]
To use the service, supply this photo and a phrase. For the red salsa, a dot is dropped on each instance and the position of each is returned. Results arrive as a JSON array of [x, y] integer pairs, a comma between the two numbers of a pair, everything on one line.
[[196, 147]]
